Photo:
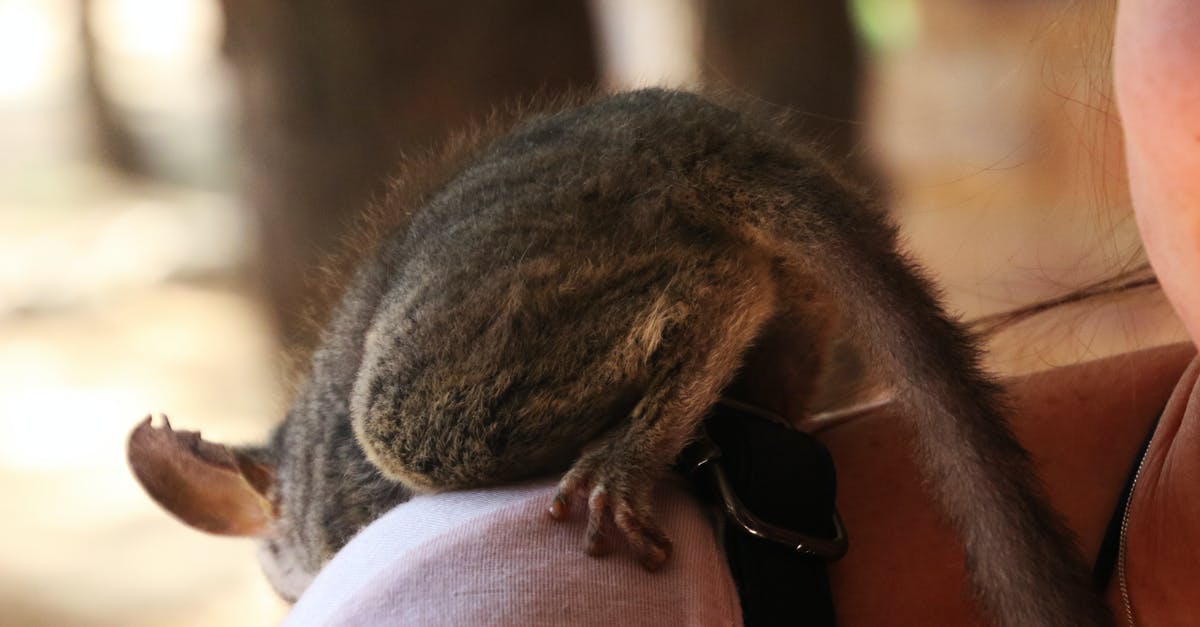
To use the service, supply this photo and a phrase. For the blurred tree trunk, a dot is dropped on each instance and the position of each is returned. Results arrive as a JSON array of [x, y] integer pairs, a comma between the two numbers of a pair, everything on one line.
[[115, 144], [802, 54], [332, 93]]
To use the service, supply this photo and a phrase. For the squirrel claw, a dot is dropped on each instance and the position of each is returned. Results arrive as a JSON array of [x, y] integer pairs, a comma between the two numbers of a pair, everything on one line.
[[650, 545]]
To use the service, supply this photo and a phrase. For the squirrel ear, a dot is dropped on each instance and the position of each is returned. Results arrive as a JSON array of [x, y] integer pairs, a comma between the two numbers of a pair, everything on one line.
[[206, 485]]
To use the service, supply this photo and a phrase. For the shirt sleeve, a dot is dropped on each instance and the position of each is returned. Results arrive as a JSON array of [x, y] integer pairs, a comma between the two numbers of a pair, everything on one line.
[[495, 557]]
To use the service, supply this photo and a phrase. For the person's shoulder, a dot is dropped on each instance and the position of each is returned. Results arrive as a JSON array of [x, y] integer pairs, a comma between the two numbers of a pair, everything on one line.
[[1136, 383], [1083, 424]]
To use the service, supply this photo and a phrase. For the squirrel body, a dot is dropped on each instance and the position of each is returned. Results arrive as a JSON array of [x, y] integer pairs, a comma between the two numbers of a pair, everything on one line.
[[578, 296]]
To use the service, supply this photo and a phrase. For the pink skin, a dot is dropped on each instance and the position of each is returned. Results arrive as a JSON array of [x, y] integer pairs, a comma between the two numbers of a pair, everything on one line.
[[1157, 65]]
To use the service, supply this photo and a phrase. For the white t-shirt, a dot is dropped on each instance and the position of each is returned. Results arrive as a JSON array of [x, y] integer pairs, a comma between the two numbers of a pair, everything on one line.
[[495, 557]]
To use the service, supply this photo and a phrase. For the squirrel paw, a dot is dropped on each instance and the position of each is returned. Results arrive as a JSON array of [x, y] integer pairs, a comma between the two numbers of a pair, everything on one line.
[[613, 502]]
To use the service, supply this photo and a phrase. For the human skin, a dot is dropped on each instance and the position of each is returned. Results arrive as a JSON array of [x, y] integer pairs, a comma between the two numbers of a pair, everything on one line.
[[1156, 61]]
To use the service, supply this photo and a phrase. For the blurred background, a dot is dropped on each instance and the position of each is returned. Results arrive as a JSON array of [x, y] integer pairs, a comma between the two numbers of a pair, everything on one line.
[[171, 171]]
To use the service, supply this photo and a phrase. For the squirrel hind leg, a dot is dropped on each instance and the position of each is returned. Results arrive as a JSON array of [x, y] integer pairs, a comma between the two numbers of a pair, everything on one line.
[[615, 476], [784, 372]]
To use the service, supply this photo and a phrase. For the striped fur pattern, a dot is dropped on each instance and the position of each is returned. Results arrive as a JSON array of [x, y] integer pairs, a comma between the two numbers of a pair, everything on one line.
[[577, 296]]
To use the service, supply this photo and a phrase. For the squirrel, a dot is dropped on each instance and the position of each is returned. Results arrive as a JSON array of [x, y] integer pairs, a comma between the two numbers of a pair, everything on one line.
[[573, 298]]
